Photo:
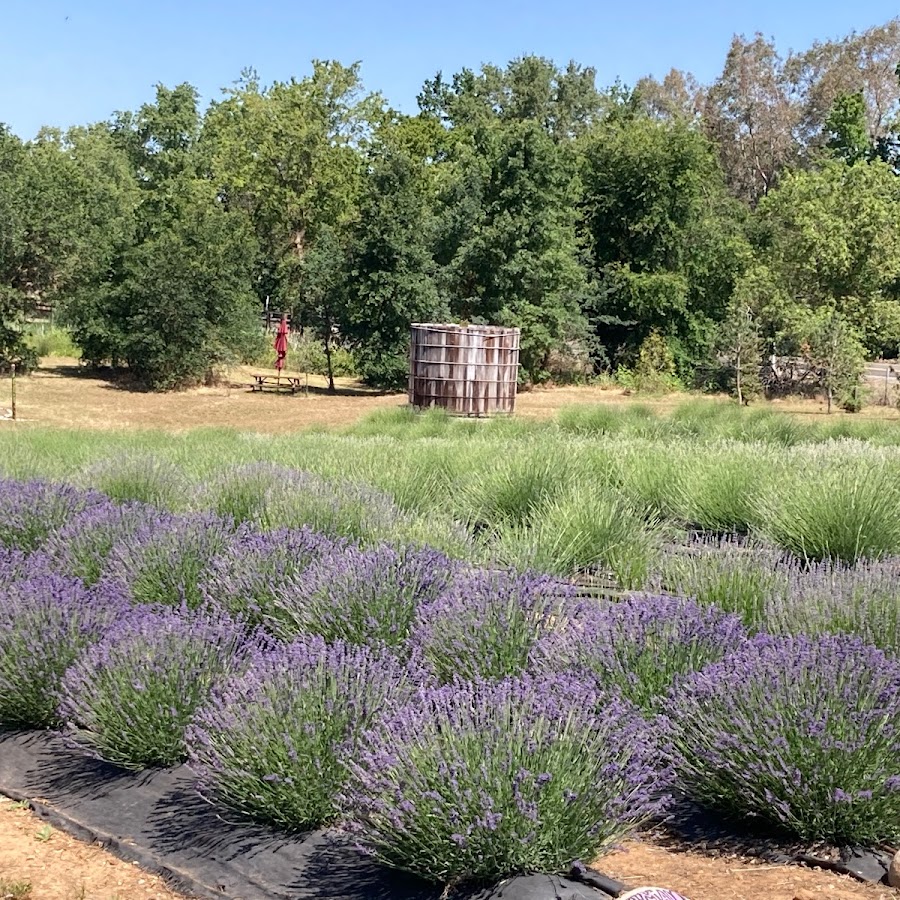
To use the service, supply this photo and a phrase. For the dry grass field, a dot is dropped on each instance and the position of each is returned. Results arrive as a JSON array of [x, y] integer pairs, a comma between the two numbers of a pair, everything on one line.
[[63, 394]]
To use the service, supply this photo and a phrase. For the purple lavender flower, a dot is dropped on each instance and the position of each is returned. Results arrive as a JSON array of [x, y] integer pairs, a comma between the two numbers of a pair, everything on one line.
[[268, 742], [30, 510], [255, 567], [640, 645], [486, 622], [46, 620], [482, 780], [801, 732], [362, 596], [83, 546], [162, 561], [129, 698]]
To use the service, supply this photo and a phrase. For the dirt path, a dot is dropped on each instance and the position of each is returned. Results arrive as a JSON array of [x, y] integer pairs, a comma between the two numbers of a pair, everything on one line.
[[60, 868], [701, 877]]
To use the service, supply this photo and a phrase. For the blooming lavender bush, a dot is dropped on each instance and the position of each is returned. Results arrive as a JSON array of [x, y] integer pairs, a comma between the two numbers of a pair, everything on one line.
[[733, 575], [834, 598], [46, 620], [141, 477], [803, 733], [162, 562], [30, 510], [481, 780], [485, 624], [268, 743], [254, 567], [129, 698], [17, 566], [272, 496], [364, 596], [82, 547], [641, 645]]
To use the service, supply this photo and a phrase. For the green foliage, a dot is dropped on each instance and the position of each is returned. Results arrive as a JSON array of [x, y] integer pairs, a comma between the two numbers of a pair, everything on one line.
[[51, 341]]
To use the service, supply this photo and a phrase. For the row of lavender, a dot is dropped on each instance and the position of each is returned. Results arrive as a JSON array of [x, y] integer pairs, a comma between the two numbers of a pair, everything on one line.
[[460, 722]]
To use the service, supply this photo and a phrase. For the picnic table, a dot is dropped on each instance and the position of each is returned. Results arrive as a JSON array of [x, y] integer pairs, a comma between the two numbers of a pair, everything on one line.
[[290, 383]]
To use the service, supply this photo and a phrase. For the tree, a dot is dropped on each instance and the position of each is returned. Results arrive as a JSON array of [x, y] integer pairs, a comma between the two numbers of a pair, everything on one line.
[[390, 268], [507, 242], [848, 135], [831, 239], [833, 349], [176, 302], [665, 242], [751, 115], [293, 157], [738, 344]]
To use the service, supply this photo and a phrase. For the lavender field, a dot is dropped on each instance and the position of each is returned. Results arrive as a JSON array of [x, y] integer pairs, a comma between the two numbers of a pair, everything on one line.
[[388, 632]]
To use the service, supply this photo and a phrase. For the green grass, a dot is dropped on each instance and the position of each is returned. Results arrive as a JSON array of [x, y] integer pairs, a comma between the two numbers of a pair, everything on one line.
[[14, 890], [560, 497], [50, 340]]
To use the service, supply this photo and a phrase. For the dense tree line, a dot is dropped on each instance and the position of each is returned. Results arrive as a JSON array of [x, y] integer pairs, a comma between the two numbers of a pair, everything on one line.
[[672, 229]]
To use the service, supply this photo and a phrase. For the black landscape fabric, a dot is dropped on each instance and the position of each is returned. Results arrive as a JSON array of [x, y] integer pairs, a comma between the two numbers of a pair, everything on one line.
[[156, 819]]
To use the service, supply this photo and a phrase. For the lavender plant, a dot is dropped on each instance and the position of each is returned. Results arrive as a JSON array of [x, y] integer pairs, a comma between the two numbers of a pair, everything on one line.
[[799, 732], [485, 624], [129, 698], [255, 567], [30, 510], [46, 620], [143, 477], [480, 780], [269, 743], [640, 646], [163, 561], [735, 576], [272, 496], [363, 596], [834, 598], [83, 546]]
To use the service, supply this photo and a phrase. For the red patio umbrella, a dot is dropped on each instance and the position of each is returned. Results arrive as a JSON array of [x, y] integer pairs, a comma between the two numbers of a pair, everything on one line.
[[281, 345]]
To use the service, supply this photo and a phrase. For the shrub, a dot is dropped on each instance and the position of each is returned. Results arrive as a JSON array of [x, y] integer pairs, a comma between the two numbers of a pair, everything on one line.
[[268, 743], [17, 566], [163, 562], [640, 646], [361, 596], [844, 510], [30, 510], [735, 576], [834, 598], [129, 698], [583, 530], [45, 622], [82, 547], [799, 732], [486, 623], [142, 477], [276, 497], [477, 781], [246, 577]]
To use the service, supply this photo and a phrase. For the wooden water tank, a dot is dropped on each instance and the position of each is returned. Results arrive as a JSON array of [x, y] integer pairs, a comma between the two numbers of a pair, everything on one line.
[[468, 370]]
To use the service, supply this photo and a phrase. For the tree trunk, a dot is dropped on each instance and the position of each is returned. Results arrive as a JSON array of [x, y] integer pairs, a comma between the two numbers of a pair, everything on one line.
[[828, 393], [328, 363], [737, 381]]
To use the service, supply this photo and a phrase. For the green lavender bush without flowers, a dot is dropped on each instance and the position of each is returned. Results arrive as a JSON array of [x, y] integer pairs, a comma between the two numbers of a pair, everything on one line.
[[270, 742], [797, 732], [129, 698], [140, 476], [846, 512], [582, 531]]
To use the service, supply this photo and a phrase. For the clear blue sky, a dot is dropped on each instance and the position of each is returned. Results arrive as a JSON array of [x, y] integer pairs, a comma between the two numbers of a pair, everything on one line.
[[65, 62]]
